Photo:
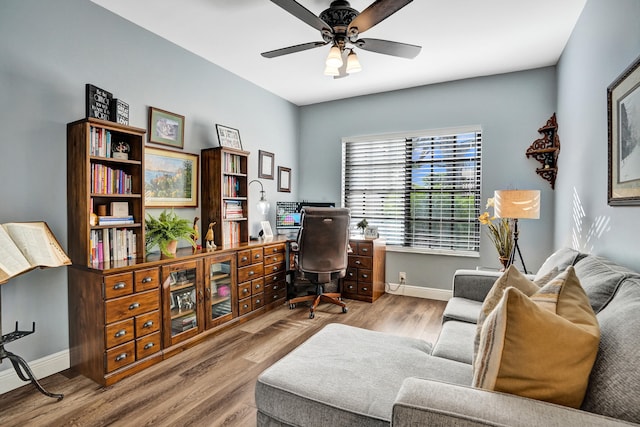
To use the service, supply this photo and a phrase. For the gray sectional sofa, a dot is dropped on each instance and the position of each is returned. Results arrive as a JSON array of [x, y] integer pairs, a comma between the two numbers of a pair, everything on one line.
[[346, 376]]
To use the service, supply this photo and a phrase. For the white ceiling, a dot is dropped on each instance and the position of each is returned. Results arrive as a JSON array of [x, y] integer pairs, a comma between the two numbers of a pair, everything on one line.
[[459, 39]]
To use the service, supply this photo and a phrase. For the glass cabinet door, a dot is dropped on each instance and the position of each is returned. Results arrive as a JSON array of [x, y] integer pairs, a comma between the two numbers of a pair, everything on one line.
[[181, 294], [219, 288]]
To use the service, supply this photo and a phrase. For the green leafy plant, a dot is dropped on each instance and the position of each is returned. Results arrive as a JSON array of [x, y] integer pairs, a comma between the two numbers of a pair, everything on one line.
[[362, 225], [166, 228]]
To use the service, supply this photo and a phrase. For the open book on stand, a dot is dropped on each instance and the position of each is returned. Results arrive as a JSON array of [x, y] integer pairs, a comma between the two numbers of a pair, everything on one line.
[[25, 246]]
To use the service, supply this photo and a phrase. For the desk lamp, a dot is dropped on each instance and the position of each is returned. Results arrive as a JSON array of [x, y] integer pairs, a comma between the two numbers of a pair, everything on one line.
[[517, 204], [263, 204]]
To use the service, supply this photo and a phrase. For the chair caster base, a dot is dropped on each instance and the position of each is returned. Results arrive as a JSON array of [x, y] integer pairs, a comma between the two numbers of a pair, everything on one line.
[[312, 315], [344, 309]]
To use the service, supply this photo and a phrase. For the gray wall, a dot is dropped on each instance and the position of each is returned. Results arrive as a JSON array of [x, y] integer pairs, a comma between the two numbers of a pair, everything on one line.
[[604, 43], [48, 51], [510, 108]]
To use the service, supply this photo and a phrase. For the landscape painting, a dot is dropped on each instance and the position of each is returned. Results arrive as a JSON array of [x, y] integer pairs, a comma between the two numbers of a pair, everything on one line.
[[170, 178]]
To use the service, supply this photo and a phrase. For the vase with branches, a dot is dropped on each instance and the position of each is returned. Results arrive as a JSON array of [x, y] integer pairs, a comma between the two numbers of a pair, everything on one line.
[[500, 232]]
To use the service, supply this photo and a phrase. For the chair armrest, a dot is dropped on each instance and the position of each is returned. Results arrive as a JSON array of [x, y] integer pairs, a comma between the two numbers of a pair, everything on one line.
[[428, 402], [473, 284]]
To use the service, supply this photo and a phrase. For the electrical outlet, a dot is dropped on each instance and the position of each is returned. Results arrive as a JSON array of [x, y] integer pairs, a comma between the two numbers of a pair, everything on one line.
[[402, 277]]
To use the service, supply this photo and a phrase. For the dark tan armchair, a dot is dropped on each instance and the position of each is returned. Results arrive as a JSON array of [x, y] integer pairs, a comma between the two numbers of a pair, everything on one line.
[[321, 257]]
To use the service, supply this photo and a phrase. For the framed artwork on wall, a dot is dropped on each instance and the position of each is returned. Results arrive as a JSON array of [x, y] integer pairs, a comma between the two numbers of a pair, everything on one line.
[[623, 111], [284, 179], [170, 178], [265, 164], [228, 137], [166, 128]]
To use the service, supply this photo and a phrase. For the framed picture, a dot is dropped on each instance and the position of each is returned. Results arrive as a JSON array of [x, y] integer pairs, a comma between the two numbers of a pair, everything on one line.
[[623, 108], [166, 128], [284, 179], [266, 229], [265, 164], [229, 137], [170, 178], [371, 233]]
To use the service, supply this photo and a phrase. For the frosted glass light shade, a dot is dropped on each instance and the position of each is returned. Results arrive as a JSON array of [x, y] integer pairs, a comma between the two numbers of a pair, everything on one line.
[[521, 204], [334, 60], [353, 64], [331, 71]]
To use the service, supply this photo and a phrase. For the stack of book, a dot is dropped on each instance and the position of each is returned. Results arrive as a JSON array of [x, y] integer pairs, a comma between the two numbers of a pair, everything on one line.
[[232, 209], [115, 220]]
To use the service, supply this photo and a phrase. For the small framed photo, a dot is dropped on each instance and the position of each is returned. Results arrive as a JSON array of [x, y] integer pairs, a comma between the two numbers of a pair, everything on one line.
[[166, 128], [371, 233], [623, 108], [266, 229], [265, 164], [284, 179], [229, 137]]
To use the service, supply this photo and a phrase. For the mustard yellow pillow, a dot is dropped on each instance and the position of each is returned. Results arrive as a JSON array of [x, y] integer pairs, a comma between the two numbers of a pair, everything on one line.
[[510, 278], [541, 347]]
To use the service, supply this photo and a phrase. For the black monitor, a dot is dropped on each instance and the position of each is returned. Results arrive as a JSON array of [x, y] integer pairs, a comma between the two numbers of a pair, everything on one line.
[[289, 214]]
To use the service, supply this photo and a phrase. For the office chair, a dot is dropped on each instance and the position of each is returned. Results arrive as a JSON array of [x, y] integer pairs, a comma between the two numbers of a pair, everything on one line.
[[321, 257]]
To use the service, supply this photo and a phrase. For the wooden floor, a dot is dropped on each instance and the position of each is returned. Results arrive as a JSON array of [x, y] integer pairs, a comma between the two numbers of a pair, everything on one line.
[[213, 383]]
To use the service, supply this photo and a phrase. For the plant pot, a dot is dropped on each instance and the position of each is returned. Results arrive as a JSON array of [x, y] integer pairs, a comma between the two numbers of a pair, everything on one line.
[[172, 248]]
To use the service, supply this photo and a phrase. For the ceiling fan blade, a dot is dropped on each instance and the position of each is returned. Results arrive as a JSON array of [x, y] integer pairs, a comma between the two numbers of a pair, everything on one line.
[[292, 49], [387, 47], [304, 14], [377, 11]]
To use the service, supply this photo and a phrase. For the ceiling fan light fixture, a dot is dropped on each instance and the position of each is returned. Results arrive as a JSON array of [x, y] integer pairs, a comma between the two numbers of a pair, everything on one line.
[[353, 64], [331, 71], [334, 60]]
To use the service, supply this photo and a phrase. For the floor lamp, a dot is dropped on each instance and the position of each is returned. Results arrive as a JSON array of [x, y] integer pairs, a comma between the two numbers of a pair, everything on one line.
[[517, 204]]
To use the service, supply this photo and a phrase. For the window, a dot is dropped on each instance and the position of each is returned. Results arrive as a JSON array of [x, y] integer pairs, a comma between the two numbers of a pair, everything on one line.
[[422, 190]]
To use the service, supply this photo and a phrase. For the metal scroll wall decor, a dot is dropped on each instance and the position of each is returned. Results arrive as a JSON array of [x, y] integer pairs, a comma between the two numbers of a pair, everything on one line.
[[546, 150]]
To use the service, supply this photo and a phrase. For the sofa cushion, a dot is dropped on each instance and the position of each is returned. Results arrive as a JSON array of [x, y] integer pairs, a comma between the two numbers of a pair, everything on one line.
[[348, 376], [614, 385], [600, 277], [560, 260], [462, 309], [541, 347], [511, 278], [455, 341]]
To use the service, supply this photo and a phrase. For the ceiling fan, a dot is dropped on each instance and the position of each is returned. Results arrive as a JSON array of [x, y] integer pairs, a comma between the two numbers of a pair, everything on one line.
[[341, 26]]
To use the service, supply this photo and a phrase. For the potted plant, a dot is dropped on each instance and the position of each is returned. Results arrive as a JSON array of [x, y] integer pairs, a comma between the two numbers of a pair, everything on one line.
[[500, 234], [362, 225], [166, 230]]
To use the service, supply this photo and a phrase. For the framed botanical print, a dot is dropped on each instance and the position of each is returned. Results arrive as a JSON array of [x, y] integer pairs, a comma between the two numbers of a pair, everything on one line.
[[166, 128], [623, 108]]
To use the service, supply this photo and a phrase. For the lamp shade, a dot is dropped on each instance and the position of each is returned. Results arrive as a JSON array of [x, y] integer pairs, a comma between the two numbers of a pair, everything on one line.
[[521, 204], [334, 60], [353, 65]]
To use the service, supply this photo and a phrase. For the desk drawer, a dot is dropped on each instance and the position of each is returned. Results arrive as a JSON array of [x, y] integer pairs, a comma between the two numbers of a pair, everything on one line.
[[244, 306], [273, 288], [257, 301], [365, 289], [365, 276], [132, 305], [244, 290], [273, 268], [121, 356], [360, 262], [275, 278], [274, 259], [119, 333], [118, 285], [257, 286], [146, 279], [244, 258], [147, 345], [147, 323], [350, 287], [274, 249], [249, 273]]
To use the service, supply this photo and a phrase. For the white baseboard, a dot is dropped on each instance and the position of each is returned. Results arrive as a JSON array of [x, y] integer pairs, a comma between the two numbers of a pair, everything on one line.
[[419, 292], [41, 368]]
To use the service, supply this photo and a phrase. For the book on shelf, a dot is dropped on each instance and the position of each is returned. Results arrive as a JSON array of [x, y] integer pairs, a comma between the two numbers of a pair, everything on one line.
[[115, 220], [232, 209], [25, 246], [112, 244]]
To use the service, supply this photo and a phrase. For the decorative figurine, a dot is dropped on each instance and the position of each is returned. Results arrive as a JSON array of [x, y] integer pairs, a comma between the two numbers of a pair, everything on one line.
[[209, 237], [196, 234]]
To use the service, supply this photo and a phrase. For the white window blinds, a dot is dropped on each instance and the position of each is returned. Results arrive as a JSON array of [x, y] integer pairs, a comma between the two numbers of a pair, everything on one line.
[[421, 190]]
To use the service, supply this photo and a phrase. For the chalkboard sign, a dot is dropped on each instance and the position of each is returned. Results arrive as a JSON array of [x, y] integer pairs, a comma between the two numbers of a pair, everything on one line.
[[99, 102], [120, 112]]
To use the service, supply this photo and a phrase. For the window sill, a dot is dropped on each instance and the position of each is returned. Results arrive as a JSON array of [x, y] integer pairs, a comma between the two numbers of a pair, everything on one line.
[[401, 249]]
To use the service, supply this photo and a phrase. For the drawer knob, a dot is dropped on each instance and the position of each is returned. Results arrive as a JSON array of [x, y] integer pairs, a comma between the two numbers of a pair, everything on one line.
[[120, 333], [148, 345], [257, 286], [350, 274], [244, 258], [275, 268], [364, 276], [257, 256], [134, 306], [365, 289], [358, 262], [245, 306], [245, 291], [148, 324], [251, 273], [365, 250], [275, 287], [121, 357], [258, 301], [119, 285], [147, 280]]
